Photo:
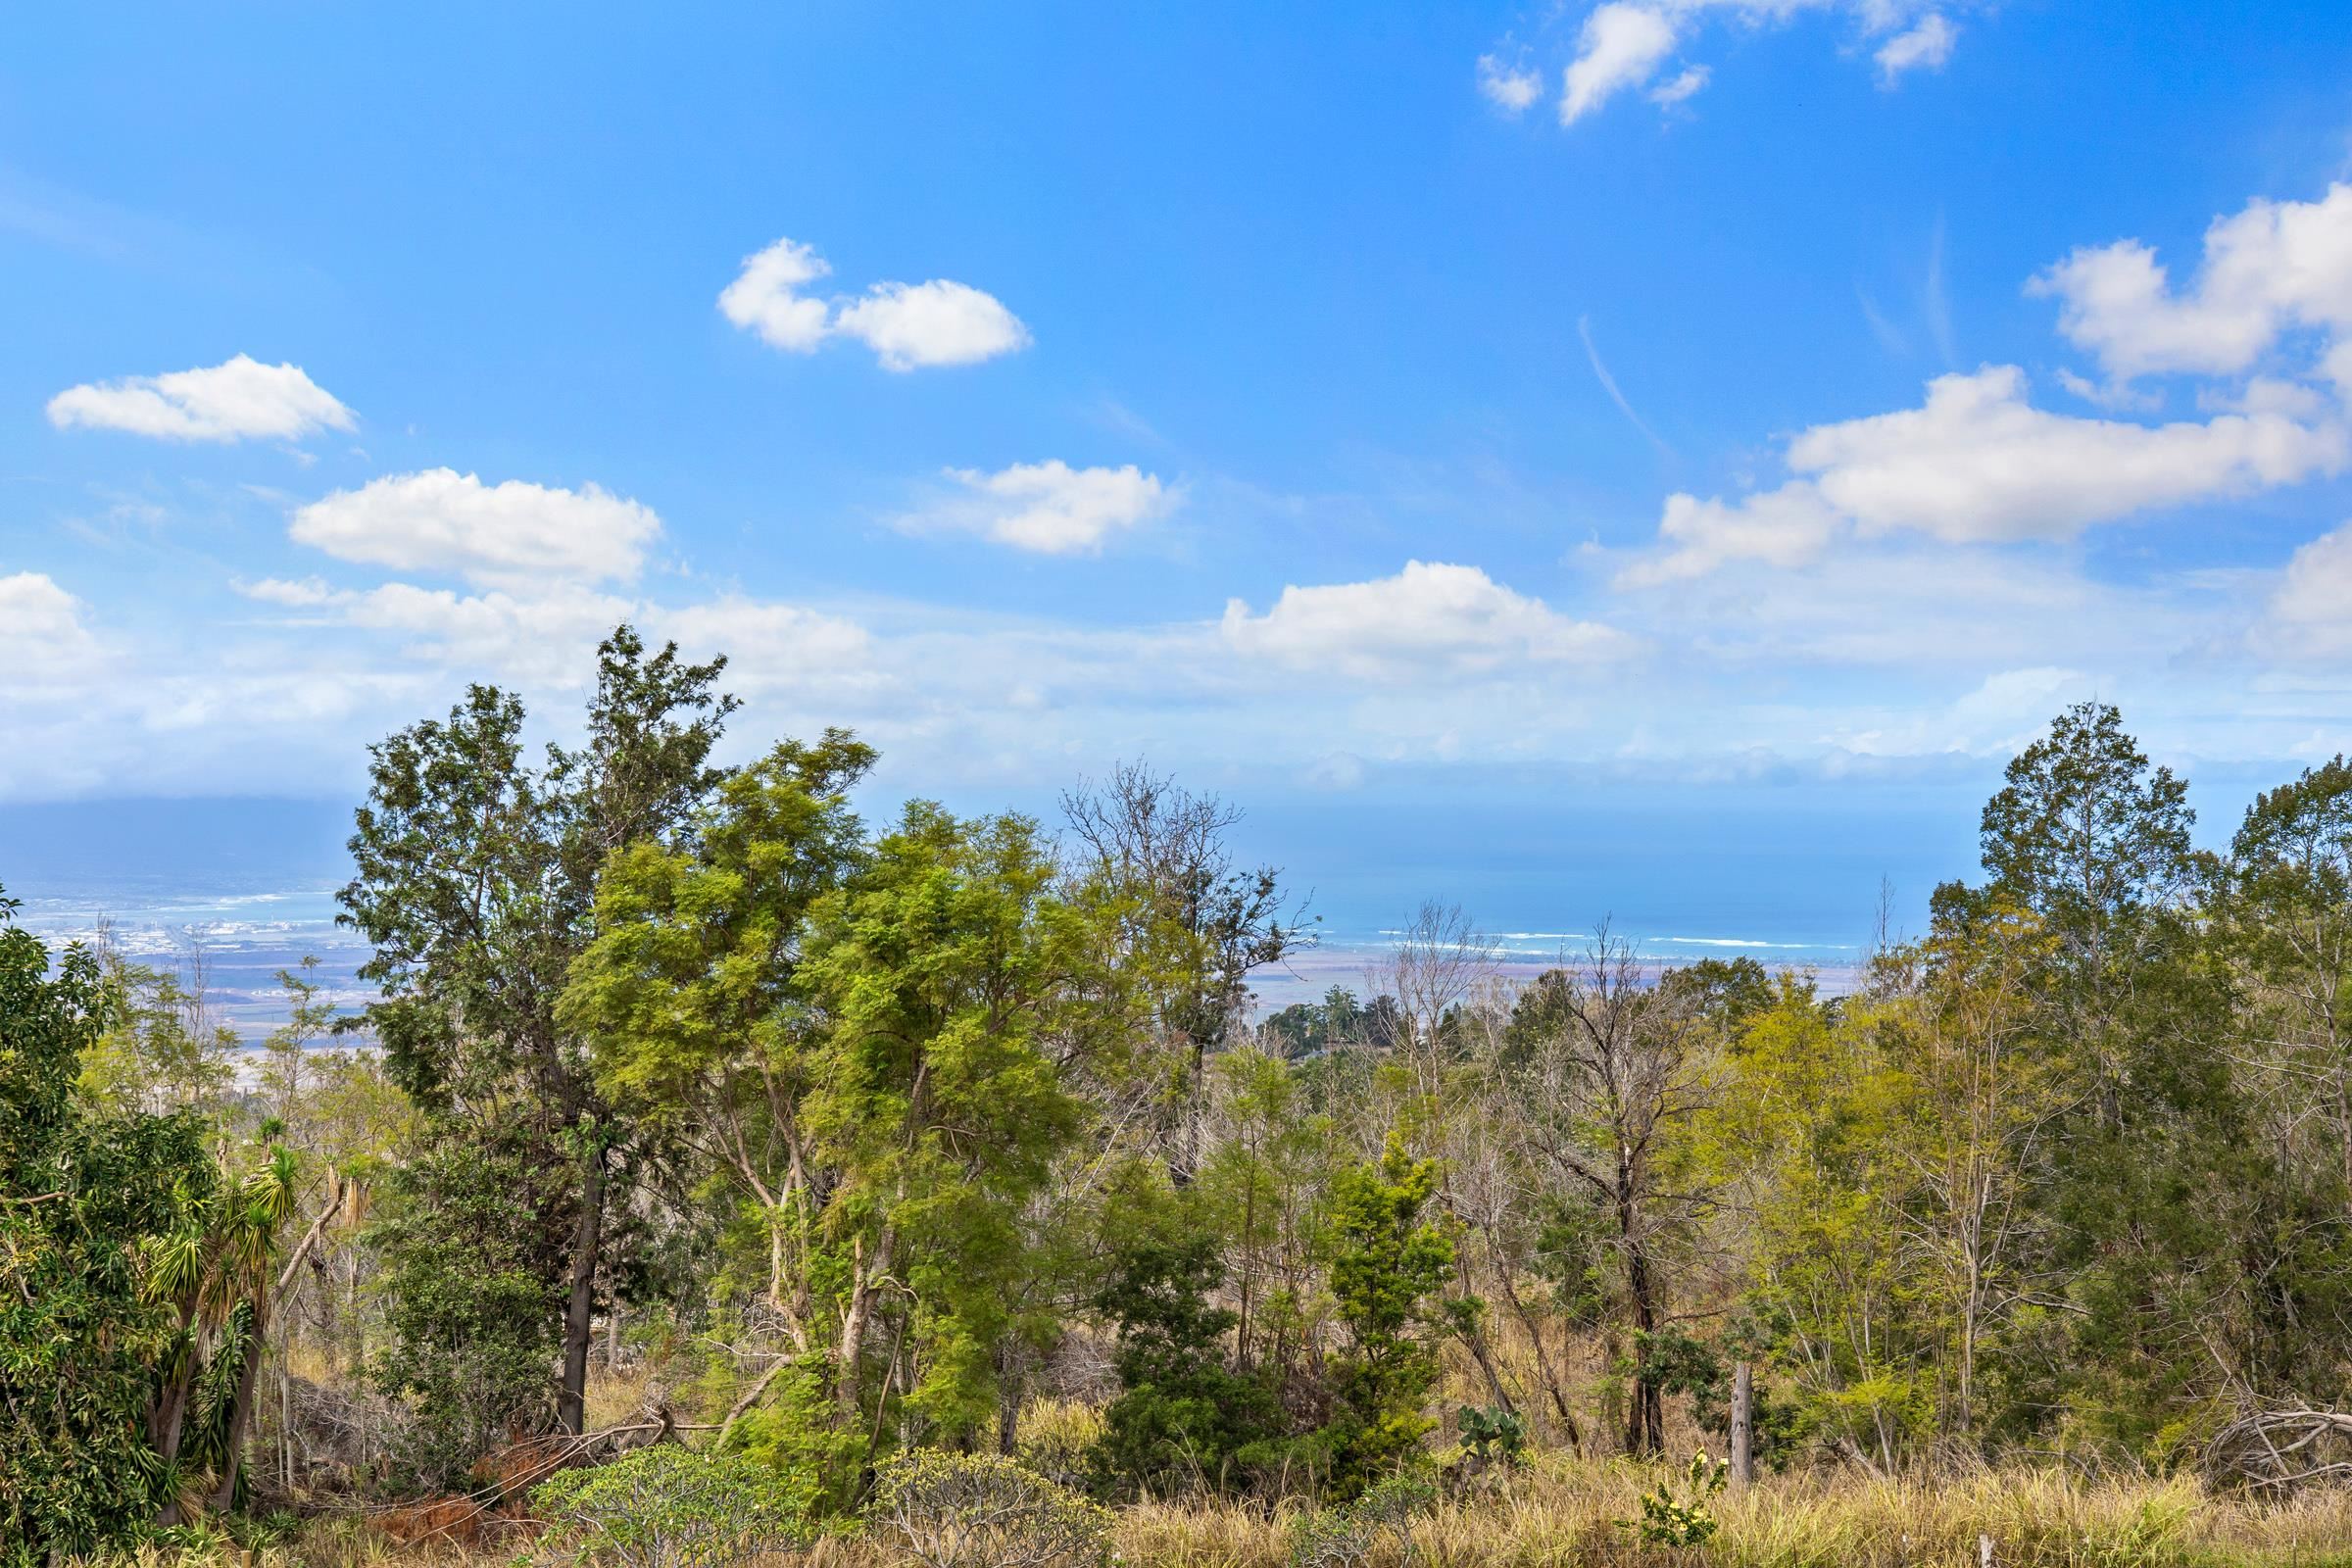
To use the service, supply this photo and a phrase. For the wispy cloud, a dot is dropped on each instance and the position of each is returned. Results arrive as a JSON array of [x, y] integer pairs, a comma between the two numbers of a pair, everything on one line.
[[1584, 330], [1046, 507]]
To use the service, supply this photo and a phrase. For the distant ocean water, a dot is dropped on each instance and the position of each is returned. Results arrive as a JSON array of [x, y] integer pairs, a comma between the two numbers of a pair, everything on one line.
[[247, 887], [242, 941], [238, 942]]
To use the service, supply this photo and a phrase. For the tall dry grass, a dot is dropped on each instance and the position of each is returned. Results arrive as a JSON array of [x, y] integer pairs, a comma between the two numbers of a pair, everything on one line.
[[1561, 1513], [1565, 1515]]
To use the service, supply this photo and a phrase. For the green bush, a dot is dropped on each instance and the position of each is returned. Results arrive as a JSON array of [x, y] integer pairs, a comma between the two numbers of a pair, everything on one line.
[[1493, 1437], [668, 1507], [1346, 1536], [818, 1463], [1184, 1421], [1667, 1520], [1391, 1261], [951, 1510], [86, 1198]]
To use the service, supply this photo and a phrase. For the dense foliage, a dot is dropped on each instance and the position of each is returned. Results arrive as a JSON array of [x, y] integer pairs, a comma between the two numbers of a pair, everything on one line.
[[849, 1144]]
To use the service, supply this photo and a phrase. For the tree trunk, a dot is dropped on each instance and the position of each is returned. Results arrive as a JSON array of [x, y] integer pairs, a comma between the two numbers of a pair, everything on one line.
[[1744, 1452], [854, 1321], [240, 1415], [1645, 1422], [579, 1312]]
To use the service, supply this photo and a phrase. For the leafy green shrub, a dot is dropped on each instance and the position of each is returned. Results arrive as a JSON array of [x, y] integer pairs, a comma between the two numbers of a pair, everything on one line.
[[1671, 1521], [1183, 1419], [951, 1510], [818, 1463], [668, 1507], [1348, 1537], [1493, 1437], [1390, 1260], [85, 1200]]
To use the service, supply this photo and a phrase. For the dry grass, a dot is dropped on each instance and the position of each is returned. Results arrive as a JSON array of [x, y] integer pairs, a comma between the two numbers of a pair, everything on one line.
[[1561, 1515], [1565, 1514]]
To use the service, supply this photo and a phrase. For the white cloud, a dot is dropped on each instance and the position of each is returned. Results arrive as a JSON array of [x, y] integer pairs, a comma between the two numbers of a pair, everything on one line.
[[43, 636], [2001, 717], [1622, 46], [1429, 620], [1511, 88], [1335, 773], [1923, 47], [238, 400], [1047, 507], [907, 326], [512, 534], [309, 593], [2270, 267], [764, 297], [542, 637], [911, 325], [2310, 616], [1979, 463], [1682, 86], [772, 647], [1782, 528]]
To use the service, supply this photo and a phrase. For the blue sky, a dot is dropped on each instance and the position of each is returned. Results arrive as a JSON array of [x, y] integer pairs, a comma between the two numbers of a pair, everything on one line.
[[1494, 443]]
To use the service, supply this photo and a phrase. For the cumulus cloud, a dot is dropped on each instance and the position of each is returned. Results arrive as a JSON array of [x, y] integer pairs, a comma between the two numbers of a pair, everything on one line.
[[907, 326], [241, 399], [509, 534], [1978, 464], [2268, 268], [1430, 619], [913, 324], [1622, 46], [309, 593], [765, 297], [1511, 88], [1784, 527], [42, 635], [2310, 615], [1926, 46], [1047, 507]]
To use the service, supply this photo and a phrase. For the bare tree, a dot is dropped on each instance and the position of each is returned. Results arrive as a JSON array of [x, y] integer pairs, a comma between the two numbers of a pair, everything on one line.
[[1195, 922], [1617, 1066]]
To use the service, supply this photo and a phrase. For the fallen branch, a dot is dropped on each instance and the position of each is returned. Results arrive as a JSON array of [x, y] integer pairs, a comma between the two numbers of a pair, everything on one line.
[[2281, 1449]]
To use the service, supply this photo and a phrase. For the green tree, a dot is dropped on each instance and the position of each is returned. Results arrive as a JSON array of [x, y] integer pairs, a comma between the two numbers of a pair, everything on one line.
[[1183, 1419], [84, 1198], [476, 879], [1388, 1259], [2151, 1172], [692, 1001], [2286, 906], [473, 1238], [945, 973]]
